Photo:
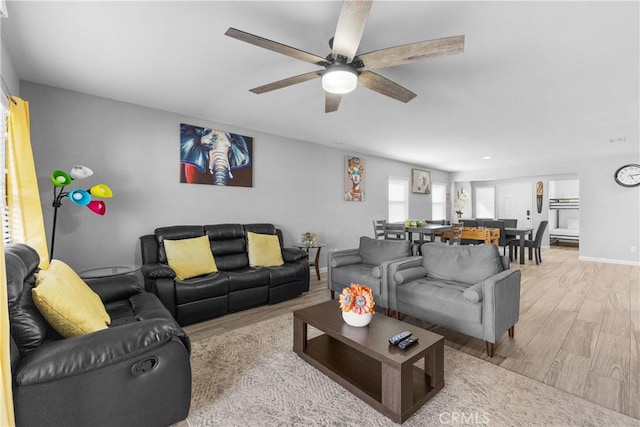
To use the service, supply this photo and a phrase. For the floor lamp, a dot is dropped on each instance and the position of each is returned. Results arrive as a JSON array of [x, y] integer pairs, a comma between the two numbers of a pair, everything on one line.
[[61, 179]]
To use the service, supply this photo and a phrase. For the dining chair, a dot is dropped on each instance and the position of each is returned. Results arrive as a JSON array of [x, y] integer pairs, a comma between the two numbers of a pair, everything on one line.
[[535, 244], [504, 241], [378, 228], [456, 234], [509, 223], [394, 231], [469, 222]]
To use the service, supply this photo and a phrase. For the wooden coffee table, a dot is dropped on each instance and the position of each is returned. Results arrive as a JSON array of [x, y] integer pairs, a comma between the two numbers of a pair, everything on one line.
[[363, 362]]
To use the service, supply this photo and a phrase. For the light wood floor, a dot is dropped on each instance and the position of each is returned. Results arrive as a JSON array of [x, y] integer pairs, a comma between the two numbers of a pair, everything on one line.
[[579, 328]]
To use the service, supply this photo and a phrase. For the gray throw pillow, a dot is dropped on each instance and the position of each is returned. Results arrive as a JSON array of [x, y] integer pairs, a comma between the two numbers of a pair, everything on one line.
[[376, 252]]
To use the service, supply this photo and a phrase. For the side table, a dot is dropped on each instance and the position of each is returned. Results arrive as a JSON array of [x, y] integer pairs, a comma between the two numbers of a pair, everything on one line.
[[108, 271], [318, 247]]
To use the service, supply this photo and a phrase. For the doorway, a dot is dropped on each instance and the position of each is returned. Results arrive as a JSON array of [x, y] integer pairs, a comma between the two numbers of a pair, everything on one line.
[[515, 200]]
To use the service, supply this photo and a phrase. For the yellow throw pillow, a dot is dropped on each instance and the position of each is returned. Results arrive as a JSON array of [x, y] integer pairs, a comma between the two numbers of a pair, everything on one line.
[[264, 250], [68, 304], [190, 257]]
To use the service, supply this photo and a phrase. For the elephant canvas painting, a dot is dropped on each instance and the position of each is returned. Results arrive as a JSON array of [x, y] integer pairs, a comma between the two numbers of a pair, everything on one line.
[[215, 157]]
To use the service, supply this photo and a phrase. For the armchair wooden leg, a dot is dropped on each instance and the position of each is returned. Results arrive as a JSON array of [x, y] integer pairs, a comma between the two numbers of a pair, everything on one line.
[[386, 312], [333, 294], [490, 348], [397, 315], [511, 331]]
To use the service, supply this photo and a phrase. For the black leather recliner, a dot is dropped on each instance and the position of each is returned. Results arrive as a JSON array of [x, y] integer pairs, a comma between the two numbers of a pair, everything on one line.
[[235, 286], [134, 373]]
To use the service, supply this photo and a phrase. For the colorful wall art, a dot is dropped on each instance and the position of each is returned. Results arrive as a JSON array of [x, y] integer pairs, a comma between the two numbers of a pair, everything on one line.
[[420, 181], [354, 179], [215, 157]]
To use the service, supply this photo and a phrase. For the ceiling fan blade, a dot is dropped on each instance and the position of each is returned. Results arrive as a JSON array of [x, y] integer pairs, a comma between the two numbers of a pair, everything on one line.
[[286, 82], [412, 52], [382, 85], [332, 102], [351, 22], [276, 47]]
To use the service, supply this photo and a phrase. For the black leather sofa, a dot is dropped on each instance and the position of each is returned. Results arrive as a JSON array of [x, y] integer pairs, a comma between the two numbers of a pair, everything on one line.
[[236, 286], [134, 373]]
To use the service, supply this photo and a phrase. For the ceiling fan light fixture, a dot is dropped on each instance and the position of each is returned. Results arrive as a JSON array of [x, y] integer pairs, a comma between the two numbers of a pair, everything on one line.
[[339, 79]]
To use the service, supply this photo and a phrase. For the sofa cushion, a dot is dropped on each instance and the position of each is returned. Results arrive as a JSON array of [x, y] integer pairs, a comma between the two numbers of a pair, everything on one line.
[[190, 257], [287, 273], [248, 278], [460, 263], [473, 293], [375, 252], [201, 287], [228, 245], [439, 296], [67, 303], [264, 250], [339, 261], [356, 273]]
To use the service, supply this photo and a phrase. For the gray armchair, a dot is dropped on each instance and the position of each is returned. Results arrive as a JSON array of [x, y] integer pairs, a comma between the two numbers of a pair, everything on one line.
[[366, 265], [469, 289]]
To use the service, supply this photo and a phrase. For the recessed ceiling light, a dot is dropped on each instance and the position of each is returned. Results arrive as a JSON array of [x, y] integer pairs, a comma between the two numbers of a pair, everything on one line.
[[486, 158]]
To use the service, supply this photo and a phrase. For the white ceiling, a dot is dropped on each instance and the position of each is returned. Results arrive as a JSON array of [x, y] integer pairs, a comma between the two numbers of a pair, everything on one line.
[[538, 82]]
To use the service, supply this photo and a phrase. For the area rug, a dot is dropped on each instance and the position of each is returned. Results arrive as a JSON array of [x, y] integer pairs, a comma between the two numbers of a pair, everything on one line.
[[251, 377]]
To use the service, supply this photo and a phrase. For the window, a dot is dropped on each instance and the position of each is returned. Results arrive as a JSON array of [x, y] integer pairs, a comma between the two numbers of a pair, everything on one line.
[[485, 202], [398, 199], [438, 201]]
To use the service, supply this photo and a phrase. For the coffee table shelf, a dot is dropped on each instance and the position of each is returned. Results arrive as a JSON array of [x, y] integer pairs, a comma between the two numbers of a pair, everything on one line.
[[363, 362]]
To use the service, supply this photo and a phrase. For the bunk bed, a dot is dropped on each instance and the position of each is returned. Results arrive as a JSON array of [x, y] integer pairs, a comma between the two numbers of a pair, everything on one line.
[[571, 232]]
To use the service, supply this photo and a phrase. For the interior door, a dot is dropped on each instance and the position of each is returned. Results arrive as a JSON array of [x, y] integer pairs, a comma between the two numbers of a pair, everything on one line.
[[515, 200]]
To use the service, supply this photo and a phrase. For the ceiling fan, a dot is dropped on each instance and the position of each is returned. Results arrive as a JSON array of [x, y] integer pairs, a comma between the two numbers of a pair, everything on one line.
[[343, 68]]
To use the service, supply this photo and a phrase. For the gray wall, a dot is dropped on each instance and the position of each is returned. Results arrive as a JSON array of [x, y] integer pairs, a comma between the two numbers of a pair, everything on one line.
[[298, 186]]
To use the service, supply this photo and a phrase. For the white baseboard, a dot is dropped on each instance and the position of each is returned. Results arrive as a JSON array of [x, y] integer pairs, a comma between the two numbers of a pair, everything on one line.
[[609, 261]]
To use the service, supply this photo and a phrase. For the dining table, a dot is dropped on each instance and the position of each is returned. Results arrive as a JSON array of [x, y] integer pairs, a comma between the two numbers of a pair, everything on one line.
[[521, 233], [429, 229]]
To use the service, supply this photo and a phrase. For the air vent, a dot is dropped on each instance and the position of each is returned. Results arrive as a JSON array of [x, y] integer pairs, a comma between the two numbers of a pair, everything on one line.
[[617, 140]]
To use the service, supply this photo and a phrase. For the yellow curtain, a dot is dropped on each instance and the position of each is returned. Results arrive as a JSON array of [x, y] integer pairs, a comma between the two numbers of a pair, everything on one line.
[[6, 395], [23, 198]]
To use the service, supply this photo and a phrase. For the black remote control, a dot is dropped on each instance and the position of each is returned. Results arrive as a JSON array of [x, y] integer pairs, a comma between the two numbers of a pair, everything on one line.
[[407, 342], [399, 337]]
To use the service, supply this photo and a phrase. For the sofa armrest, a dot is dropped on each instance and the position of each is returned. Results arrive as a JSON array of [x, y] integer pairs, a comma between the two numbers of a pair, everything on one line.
[[405, 267], [165, 290], [293, 254], [500, 303], [76, 356], [115, 287], [157, 271]]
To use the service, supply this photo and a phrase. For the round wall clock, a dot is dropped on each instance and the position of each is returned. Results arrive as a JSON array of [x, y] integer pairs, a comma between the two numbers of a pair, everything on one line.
[[628, 175]]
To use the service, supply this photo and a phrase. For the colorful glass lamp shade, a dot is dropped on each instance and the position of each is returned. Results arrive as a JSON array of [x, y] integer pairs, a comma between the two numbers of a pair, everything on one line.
[[61, 179], [97, 206]]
